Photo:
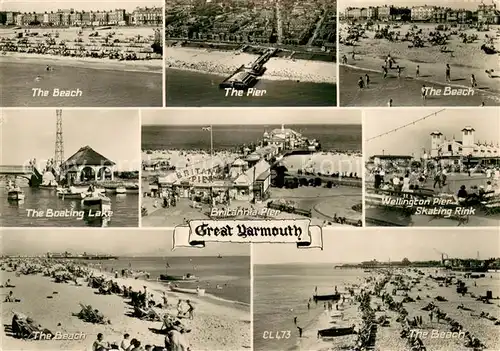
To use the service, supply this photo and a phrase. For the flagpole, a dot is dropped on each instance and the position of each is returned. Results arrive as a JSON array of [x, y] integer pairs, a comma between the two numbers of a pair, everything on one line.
[[211, 142]]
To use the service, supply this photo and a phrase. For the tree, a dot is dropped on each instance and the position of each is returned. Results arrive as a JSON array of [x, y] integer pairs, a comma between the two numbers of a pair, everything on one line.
[[405, 262]]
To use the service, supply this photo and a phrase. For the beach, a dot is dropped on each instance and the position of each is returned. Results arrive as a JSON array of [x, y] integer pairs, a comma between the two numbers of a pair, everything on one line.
[[464, 59], [224, 63], [218, 324], [149, 66], [388, 289]]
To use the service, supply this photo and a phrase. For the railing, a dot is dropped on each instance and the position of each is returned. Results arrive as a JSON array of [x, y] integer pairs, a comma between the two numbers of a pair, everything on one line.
[[9, 169]]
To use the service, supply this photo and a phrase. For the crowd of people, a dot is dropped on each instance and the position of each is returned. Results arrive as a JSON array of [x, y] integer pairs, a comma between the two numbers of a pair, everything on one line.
[[145, 305]]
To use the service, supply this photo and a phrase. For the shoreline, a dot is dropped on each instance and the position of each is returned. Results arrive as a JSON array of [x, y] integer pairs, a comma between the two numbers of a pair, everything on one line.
[[494, 95], [144, 66], [224, 63]]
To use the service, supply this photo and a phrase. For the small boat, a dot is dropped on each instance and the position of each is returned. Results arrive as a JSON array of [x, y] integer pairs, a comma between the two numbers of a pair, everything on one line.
[[187, 277], [96, 202], [187, 291], [71, 193], [330, 297], [15, 194], [335, 331], [120, 190]]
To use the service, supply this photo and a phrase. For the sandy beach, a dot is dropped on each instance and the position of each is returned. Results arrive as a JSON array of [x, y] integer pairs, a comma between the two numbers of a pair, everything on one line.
[[150, 66], [226, 62], [214, 327], [424, 290], [464, 59]]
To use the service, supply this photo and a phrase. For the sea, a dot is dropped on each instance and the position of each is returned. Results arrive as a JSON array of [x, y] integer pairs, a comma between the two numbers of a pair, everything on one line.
[[292, 285], [403, 92], [100, 87], [196, 89], [229, 137], [14, 213], [231, 273]]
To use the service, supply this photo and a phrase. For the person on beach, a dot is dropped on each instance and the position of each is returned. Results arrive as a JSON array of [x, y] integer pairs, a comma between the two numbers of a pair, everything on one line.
[[389, 103], [165, 300], [423, 92], [190, 311], [179, 307], [448, 73], [444, 176], [125, 344], [295, 320], [417, 73], [437, 179], [300, 331], [473, 82], [399, 71], [361, 83], [10, 297], [367, 77], [99, 344], [384, 71]]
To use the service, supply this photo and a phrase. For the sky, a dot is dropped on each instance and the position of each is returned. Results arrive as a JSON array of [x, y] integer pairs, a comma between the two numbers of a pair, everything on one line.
[[463, 4], [382, 244], [261, 116], [85, 5], [414, 138], [117, 242], [28, 134]]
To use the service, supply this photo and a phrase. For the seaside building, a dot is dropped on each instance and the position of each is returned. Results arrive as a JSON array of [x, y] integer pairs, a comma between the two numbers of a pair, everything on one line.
[[467, 150], [423, 13], [87, 165], [220, 179], [488, 14], [283, 138], [72, 17], [372, 12], [147, 16], [464, 16]]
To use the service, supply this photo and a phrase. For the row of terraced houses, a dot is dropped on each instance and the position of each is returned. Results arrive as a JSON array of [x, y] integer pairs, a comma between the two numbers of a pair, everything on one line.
[[141, 16], [486, 14]]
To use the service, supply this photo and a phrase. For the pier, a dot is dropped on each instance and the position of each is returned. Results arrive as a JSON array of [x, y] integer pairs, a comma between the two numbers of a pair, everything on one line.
[[246, 75]]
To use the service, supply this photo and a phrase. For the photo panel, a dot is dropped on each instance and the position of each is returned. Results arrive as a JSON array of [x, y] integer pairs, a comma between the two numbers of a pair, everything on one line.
[[236, 164], [127, 287], [432, 167], [418, 53], [70, 168], [392, 289], [71, 53], [251, 53]]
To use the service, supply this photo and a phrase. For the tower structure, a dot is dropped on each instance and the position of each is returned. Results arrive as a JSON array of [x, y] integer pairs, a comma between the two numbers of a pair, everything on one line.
[[59, 148]]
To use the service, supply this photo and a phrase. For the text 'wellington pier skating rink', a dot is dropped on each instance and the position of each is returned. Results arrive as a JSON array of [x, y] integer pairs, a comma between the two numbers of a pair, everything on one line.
[[106, 292], [373, 289], [277, 164], [432, 167], [66, 53]]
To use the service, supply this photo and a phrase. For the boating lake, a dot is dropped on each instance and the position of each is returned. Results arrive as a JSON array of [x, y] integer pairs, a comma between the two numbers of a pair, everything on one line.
[[15, 214], [292, 285]]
